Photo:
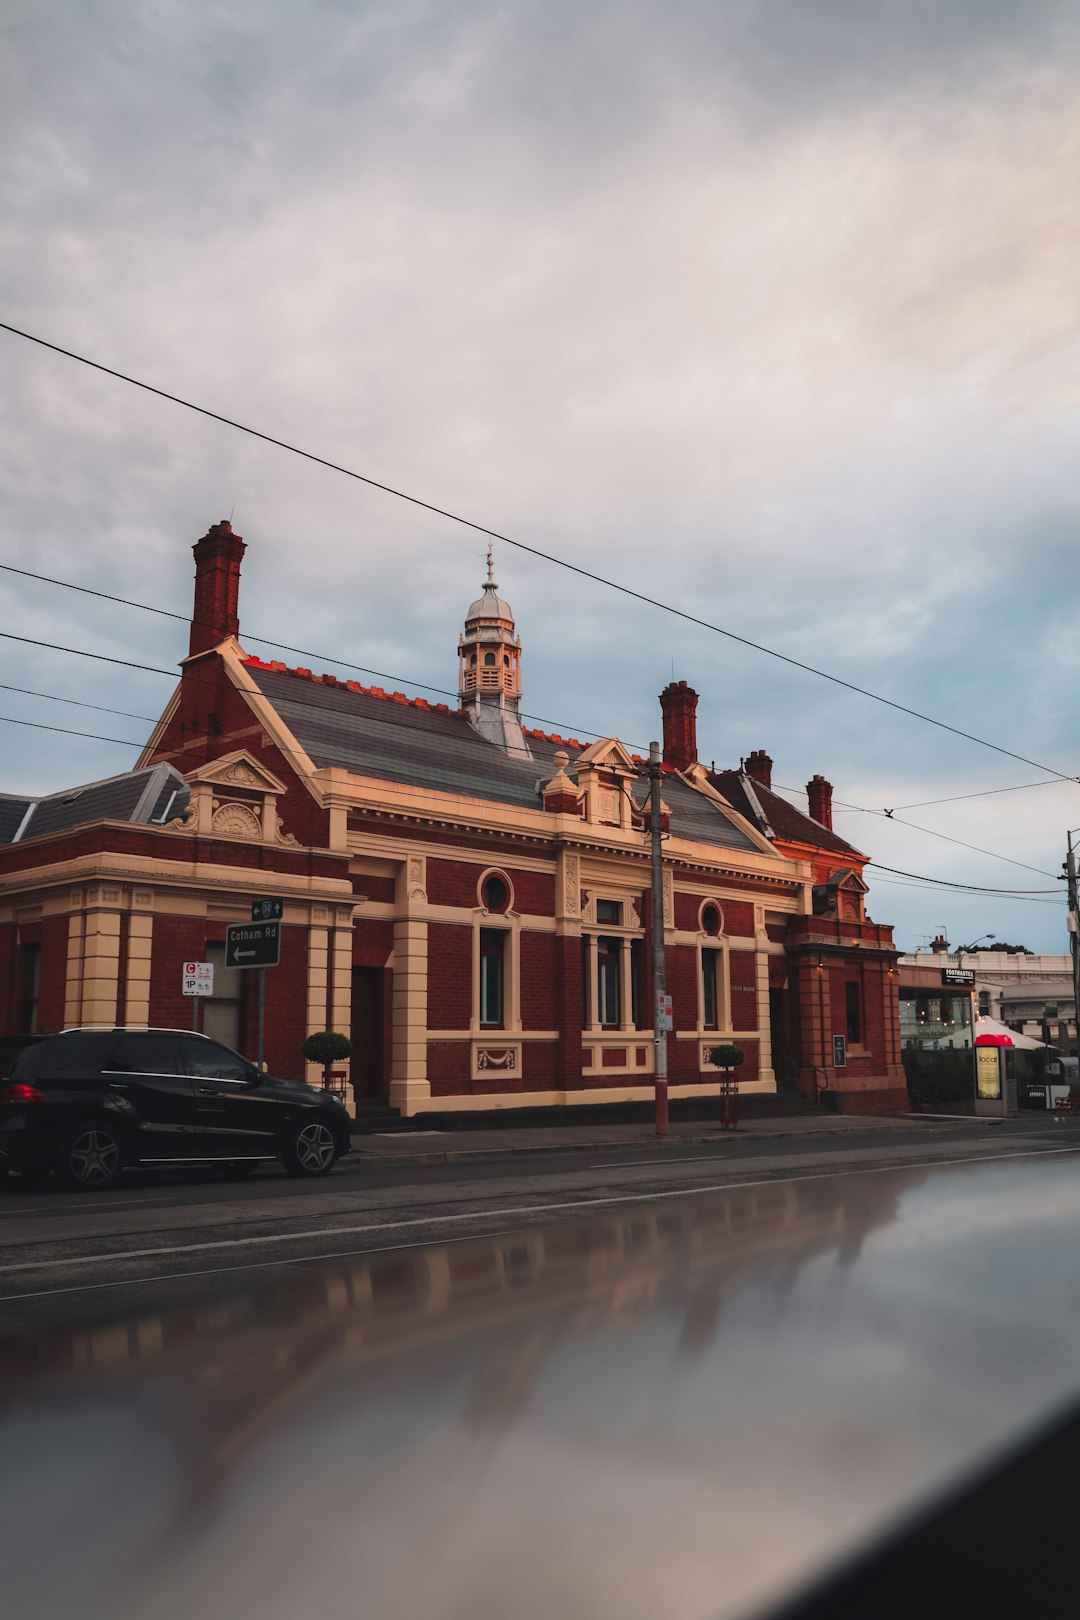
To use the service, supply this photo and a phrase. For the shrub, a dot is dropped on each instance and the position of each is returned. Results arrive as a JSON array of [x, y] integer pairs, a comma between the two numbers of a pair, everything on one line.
[[326, 1047], [725, 1057]]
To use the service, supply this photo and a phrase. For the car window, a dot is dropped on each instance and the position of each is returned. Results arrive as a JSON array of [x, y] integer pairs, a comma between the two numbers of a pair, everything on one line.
[[207, 1060], [146, 1054], [63, 1056]]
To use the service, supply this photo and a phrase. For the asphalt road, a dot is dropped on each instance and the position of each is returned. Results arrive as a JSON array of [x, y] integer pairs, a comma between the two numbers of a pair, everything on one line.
[[69, 1259]]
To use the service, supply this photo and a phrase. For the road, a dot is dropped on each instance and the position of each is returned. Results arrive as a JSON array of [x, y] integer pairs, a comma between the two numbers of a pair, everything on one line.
[[69, 1259]]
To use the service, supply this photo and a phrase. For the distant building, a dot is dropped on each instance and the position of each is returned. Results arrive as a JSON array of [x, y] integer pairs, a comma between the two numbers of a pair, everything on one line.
[[467, 898], [1031, 993]]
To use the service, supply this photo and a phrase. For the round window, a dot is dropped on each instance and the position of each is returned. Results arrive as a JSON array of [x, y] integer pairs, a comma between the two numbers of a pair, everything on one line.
[[495, 893], [711, 920]]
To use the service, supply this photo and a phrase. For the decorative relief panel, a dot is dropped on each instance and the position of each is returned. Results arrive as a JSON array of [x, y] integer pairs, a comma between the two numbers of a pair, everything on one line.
[[571, 885], [669, 900], [235, 821], [492, 1057], [283, 837], [241, 775], [416, 877], [188, 822]]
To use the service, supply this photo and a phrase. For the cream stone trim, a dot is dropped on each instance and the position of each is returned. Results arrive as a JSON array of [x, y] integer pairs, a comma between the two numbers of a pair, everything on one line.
[[490, 1102]]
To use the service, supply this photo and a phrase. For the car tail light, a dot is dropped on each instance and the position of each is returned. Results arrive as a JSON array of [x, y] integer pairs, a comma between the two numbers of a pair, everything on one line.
[[21, 1093]]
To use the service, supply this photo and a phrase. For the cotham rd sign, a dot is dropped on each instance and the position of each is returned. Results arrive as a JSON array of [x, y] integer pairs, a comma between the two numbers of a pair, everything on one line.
[[253, 945]]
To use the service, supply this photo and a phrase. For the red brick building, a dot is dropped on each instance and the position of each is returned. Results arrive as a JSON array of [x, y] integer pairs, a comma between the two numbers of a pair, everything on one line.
[[467, 898]]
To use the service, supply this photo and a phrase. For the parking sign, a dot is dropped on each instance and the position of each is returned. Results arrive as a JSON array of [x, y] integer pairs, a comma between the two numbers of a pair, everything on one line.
[[198, 978]]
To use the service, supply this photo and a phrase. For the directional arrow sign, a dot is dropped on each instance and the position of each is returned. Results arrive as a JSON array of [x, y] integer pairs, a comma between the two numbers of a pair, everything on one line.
[[253, 945]]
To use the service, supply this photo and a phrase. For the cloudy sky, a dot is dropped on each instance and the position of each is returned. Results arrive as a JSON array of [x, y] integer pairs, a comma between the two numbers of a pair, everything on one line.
[[768, 308]]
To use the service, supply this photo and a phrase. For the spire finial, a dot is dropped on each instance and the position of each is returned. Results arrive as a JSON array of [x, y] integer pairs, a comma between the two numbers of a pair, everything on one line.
[[491, 585]]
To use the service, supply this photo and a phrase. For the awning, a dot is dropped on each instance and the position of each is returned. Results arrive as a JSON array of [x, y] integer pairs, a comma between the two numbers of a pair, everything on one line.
[[988, 1032]]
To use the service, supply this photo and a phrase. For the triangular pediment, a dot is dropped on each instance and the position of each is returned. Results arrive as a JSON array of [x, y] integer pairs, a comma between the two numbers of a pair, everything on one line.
[[845, 878], [608, 754], [237, 770]]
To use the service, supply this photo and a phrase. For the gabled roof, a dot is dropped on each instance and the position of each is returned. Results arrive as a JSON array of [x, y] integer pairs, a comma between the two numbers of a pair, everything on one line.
[[386, 735], [785, 821], [138, 796]]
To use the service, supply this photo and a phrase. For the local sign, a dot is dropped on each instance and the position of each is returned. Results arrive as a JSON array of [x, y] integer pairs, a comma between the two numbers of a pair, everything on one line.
[[839, 1051], [253, 945], [665, 1019], [267, 910], [958, 976], [198, 978]]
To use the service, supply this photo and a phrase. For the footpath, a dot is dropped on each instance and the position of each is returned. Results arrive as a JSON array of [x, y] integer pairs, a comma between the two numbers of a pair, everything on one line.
[[419, 1146]]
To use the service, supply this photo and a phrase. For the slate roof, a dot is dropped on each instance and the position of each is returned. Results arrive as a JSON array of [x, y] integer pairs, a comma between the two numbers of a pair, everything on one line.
[[785, 820], [422, 745], [137, 796]]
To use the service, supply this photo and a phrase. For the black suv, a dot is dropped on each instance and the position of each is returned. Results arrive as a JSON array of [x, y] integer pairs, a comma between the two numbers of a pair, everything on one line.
[[87, 1104]]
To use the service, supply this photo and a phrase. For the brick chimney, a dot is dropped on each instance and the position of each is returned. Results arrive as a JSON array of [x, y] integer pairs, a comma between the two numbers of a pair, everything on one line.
[[758, 765], [939, 945], [819, 792], [217, 587], [679, 702]]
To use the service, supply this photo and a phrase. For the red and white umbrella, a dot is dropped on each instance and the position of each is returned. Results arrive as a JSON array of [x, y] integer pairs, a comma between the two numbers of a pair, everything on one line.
[[988, 1032]]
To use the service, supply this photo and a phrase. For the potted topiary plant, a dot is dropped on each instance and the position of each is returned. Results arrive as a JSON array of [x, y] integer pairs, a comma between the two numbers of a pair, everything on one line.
[[326, 1047], [726, 1058]]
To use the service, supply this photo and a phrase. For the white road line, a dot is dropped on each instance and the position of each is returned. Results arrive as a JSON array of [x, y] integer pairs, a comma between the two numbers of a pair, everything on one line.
[[644, 1196]]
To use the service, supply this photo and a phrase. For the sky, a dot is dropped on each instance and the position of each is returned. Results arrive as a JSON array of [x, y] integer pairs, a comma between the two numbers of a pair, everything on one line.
[[765, 308]]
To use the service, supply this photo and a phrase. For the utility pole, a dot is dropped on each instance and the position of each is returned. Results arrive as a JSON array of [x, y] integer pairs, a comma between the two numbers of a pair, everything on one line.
[[1074, 931], [660, 1017]]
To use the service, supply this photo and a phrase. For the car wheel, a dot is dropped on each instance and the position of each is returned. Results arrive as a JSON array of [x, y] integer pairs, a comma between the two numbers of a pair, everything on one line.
[[236, 1170], [310, 1149], [89, 1158]]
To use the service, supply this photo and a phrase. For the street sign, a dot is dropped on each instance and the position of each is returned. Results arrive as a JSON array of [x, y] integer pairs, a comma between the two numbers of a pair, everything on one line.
[[839, 1051], [665, 1015], [267, 910], [253, 945], [198, 978]]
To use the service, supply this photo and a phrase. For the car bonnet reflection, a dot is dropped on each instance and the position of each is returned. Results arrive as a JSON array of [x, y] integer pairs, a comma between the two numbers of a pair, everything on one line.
[[679, 1409]]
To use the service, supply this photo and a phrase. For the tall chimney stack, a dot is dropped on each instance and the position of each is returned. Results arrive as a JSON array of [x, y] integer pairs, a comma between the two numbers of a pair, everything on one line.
[[679, 702], [819, 792], [217, 587], [758, 765]]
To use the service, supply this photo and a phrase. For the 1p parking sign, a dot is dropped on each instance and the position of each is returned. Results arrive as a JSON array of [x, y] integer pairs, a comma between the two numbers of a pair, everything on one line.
[[198, 979]]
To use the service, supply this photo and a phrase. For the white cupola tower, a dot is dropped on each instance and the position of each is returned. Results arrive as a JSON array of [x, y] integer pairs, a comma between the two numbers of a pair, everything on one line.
[[489, 669]]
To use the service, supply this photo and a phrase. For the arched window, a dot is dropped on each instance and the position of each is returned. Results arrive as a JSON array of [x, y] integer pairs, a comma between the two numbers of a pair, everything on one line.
[[489, 660]]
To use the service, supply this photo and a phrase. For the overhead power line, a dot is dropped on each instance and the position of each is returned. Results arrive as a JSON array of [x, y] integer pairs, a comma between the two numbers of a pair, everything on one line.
[[930, 832], [298, 701], [520, 545], [944, 889], [77, 703], [327, 658], [973, 888]]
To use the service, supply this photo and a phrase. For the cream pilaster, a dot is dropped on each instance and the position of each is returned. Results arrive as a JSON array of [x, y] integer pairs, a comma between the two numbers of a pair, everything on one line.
[[341, 988], [318, 952], [410, 1089], [101, 956], [140, 944], [74, 979]]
